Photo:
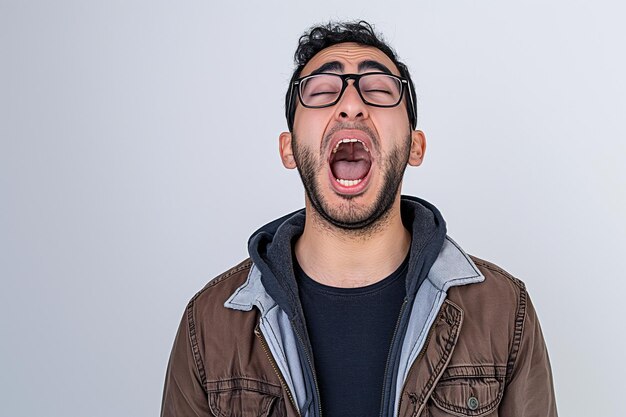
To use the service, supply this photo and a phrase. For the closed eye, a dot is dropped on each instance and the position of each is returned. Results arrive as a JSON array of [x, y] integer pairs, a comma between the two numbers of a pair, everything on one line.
[[320, 93], [378, 91]]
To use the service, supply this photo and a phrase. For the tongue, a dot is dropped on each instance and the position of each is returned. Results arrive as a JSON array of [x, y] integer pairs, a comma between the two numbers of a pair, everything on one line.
[[350, 170]]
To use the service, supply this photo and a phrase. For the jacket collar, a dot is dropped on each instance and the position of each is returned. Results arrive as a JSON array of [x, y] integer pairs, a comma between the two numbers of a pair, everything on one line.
[[453, 267]]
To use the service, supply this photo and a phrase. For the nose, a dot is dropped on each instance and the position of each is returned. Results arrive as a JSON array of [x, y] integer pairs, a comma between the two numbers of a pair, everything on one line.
[[351, 107]]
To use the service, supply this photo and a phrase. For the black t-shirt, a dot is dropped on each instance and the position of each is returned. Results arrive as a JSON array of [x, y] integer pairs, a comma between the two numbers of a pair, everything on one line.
[[351, 331]]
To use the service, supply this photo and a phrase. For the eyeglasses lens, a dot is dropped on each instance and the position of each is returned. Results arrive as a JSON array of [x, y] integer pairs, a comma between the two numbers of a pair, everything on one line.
[[320, 90], [381, 89]]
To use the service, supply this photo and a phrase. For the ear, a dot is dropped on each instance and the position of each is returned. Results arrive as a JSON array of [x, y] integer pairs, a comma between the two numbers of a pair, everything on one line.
[[286, 151], [418, 148]]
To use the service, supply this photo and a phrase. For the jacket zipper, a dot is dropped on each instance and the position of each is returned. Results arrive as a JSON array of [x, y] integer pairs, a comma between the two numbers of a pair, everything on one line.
[[395, 331], [317, 390], [258, 333]]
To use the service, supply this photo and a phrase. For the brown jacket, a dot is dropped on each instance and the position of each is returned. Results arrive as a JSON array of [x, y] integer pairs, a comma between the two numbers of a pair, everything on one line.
[[483, 355]]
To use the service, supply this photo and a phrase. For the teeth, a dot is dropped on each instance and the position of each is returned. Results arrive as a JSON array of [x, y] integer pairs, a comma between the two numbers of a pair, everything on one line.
[[349, 141], [348, 183]]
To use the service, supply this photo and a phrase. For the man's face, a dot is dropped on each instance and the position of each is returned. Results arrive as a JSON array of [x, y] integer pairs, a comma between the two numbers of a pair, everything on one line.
[[351, 156]]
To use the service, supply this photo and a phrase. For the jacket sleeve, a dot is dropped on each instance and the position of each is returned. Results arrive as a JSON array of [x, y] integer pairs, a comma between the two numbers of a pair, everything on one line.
[[530, 390], [184, 393]]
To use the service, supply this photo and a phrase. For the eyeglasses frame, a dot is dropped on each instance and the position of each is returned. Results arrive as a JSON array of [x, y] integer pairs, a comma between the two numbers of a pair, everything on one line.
[[404, 84]]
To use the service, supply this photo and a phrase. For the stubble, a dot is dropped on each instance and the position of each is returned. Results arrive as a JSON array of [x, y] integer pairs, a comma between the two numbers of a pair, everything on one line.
[[349, 216]]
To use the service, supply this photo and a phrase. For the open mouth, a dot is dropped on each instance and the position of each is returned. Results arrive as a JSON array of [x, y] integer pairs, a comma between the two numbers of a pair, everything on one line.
[[350, 162]]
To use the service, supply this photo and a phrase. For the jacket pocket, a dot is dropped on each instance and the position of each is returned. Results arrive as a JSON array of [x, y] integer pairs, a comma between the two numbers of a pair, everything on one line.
[[469, 391], [244, 397]]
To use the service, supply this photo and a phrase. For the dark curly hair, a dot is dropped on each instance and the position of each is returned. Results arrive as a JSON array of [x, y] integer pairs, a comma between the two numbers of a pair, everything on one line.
[[323, 36]]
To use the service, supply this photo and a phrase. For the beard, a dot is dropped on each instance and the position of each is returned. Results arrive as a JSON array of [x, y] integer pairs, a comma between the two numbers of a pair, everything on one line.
[[349, 215]]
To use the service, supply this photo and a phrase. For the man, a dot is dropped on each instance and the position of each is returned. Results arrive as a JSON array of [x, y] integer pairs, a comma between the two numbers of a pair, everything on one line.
[[360, 304]]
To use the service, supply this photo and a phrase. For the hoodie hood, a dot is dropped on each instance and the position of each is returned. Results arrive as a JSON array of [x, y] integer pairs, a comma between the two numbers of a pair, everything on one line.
[[270, 248]]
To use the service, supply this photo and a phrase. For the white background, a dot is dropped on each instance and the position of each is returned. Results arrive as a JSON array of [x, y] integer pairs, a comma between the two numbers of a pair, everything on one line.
[[139, 150]]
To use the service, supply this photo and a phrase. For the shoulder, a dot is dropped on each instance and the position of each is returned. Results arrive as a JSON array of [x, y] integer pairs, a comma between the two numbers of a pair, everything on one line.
[[495, 306], [500, 289], [209, 323], [215, 293], [496, 273], [494, 311]]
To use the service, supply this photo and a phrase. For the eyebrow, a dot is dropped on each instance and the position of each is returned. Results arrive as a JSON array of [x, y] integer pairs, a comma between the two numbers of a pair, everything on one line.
[[336, 66], [375, 65], [327, 67]]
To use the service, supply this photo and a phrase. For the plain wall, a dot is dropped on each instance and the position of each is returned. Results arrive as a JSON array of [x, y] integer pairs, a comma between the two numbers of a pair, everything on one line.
[[138, 151]]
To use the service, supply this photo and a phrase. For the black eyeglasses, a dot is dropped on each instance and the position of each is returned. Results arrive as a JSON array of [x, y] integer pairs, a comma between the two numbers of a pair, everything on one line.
[[377, 89]]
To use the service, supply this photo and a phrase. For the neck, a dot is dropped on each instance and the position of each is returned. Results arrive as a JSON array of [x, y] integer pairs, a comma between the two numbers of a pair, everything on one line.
[[346, 258]]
